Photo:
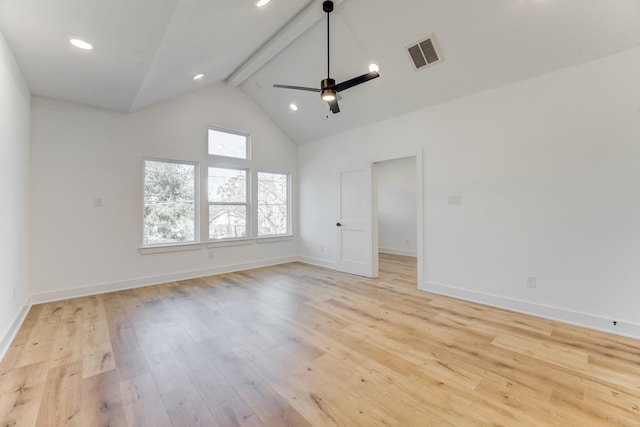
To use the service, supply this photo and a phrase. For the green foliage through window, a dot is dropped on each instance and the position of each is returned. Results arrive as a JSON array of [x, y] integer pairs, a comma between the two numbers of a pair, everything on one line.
[[169, 202]]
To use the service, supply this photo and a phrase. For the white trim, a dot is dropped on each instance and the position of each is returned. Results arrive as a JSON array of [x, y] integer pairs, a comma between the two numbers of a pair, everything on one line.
[[160, 249], [395, 251], [153, 280], [318, 262], [420, 213], [9, 335], [275, 238], [624, 328], [229, 242]]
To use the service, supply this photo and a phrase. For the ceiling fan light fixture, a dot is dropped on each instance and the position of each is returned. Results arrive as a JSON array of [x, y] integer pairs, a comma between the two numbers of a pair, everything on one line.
[[328, 95], [373, 68]]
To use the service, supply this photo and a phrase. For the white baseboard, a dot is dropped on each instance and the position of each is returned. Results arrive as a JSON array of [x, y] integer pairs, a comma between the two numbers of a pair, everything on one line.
[[394, 251], [7, 338], [153, 280], [318, 262], [624, 328]]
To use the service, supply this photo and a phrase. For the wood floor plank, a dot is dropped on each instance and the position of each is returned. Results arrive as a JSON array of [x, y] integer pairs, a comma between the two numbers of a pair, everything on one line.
[[97, 351], [21, 391], [235, 413], [61, 403], [300, 345], [143, 405], [186, 408], [102, 403], [68, 345], [41, 342]]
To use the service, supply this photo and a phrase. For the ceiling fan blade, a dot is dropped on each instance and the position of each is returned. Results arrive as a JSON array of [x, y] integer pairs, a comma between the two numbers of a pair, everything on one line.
[[308, 89], [334, 107], [356, 81]]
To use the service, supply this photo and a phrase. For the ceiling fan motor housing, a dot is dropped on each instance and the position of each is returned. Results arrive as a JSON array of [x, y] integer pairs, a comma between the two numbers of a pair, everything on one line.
[[327, 6], [327, 83]]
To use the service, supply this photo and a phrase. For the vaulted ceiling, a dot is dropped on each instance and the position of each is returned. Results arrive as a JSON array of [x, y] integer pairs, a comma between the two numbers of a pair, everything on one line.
[[147, 51]]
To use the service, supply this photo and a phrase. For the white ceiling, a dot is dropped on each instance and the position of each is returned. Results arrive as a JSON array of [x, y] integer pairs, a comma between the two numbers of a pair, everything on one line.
[[145, 50], [148, 50]]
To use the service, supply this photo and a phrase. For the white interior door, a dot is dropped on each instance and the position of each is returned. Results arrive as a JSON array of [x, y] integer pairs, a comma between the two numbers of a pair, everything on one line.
[[356, 225]]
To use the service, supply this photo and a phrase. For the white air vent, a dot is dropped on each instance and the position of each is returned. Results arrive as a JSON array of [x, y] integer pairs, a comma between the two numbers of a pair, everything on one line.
[[423, 53]]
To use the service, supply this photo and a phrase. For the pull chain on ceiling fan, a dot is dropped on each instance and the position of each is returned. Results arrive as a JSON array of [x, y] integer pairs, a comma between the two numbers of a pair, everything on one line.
[[328, 88]]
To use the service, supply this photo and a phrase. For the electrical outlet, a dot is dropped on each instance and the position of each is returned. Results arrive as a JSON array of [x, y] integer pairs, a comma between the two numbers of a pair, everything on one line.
[[532, 282]]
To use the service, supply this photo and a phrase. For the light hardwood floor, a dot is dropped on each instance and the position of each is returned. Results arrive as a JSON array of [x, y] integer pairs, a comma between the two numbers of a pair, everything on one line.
[[297, 345]]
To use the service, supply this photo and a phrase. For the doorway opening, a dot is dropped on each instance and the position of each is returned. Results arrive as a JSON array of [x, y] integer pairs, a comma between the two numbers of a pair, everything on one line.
[[396, 187], [399, 182]]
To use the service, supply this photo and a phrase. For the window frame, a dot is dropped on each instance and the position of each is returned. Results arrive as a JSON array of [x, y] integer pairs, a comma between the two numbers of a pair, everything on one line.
[[246, 135], [202, 206], [288, 232], [196, 205], [247, 204]]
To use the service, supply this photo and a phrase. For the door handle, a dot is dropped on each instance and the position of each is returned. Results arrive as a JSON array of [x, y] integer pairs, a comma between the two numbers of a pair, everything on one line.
[[338, 225]]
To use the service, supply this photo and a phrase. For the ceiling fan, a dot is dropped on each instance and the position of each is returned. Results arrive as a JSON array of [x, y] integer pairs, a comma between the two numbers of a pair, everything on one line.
[[328, 88]]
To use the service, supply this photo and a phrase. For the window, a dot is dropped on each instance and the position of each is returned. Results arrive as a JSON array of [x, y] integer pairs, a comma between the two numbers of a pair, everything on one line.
[[273, 204], [169, 202], [228, 206], [241, 203], [228, 143]]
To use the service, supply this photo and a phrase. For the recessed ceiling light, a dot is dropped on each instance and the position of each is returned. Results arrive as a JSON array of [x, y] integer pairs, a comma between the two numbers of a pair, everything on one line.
[[293, 107], [262, 3], [374, 67], [81, 44], [198, 76]]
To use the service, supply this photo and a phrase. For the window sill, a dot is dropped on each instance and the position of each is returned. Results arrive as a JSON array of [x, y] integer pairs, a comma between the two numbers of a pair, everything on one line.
[[147, 250], [229, 242], [272, 239], [182, 247]]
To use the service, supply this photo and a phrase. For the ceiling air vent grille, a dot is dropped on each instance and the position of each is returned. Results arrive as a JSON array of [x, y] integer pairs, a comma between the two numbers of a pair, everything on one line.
[[423, 53]]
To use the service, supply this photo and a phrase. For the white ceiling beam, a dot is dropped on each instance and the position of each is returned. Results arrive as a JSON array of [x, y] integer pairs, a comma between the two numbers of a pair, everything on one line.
[[293, 29]]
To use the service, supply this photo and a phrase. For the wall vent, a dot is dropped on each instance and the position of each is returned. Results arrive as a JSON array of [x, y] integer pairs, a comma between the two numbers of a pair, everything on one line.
[[424, 53]]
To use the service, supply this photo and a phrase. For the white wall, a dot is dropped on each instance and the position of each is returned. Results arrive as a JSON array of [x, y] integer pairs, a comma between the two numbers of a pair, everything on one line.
[[549, 172], [14, 211], [396, 185], [82, 153]]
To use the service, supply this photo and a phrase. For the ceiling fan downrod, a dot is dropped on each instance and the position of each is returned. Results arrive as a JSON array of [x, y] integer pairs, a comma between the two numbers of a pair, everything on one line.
[[327, 6], [328, 93]]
